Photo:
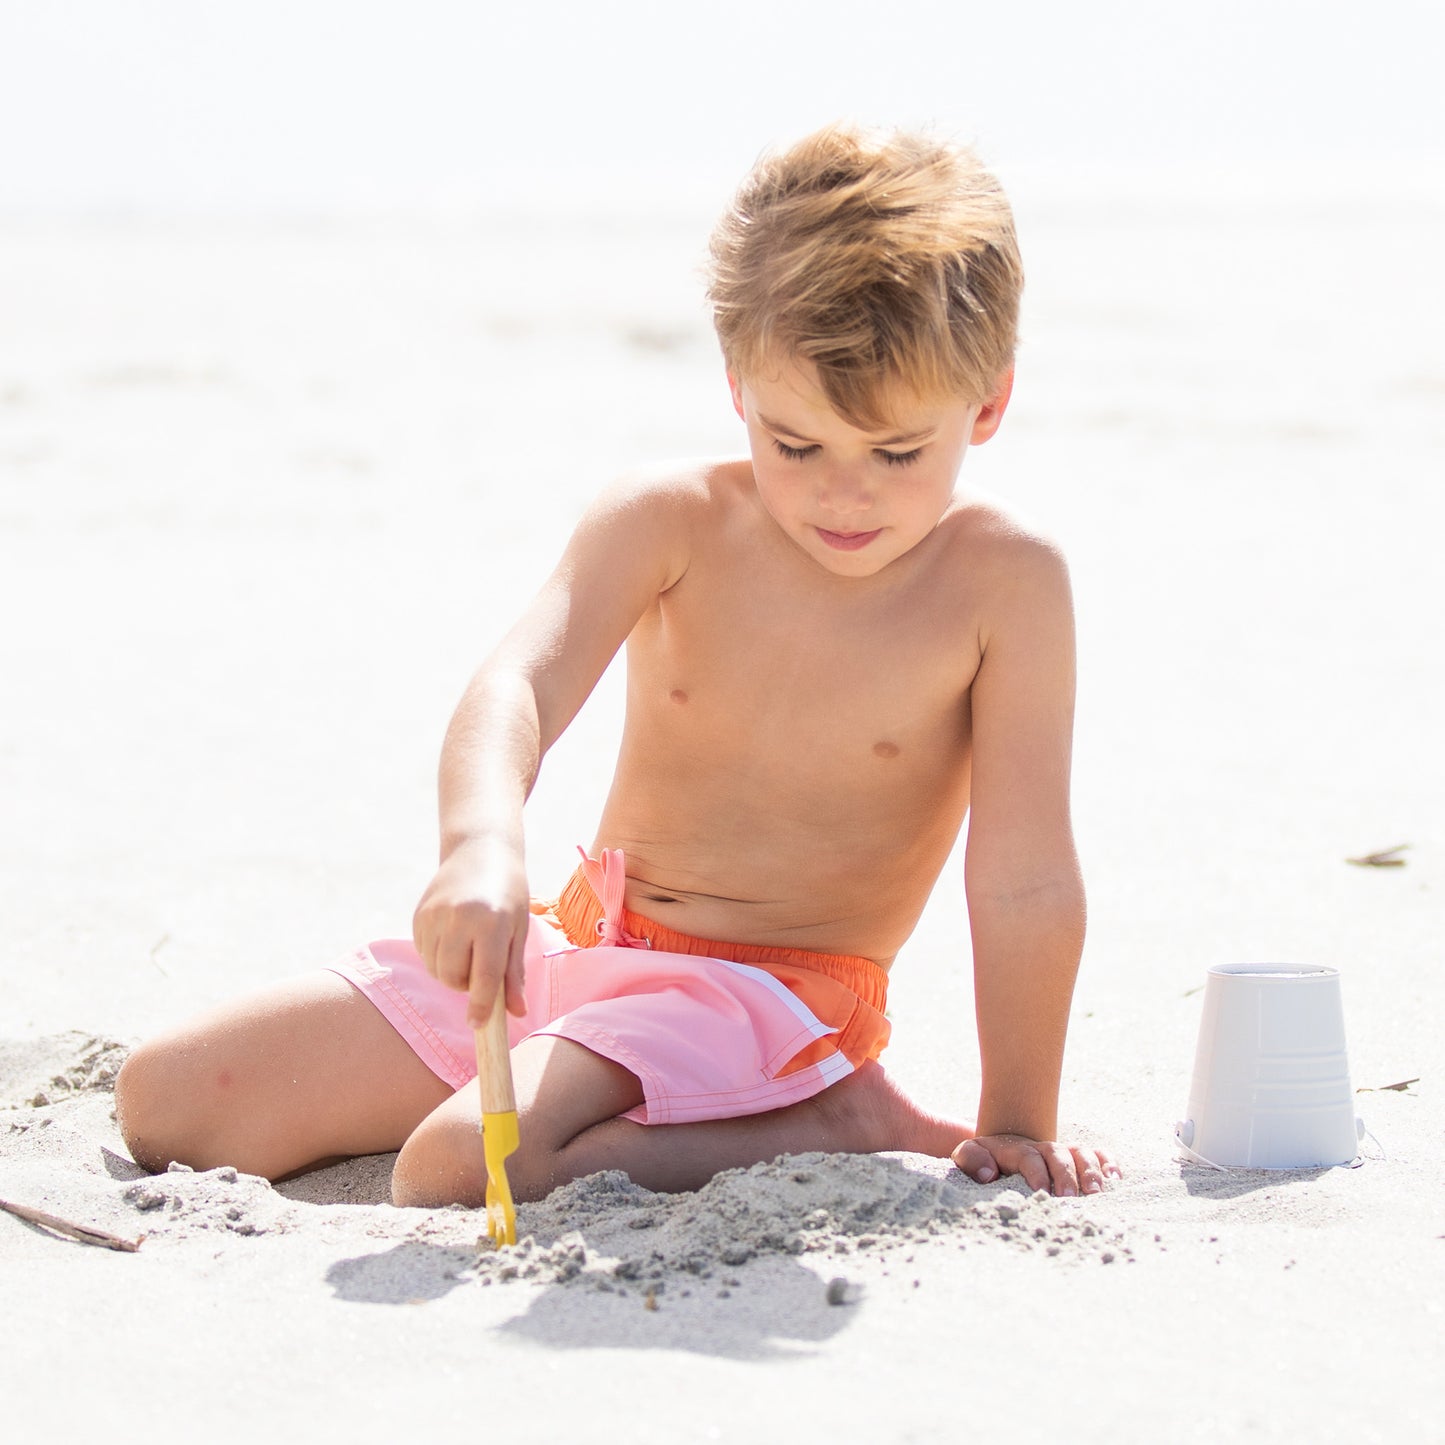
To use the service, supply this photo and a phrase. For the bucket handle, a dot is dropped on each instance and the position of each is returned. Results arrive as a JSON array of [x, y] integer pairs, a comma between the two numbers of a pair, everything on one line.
[[1184, 1137]]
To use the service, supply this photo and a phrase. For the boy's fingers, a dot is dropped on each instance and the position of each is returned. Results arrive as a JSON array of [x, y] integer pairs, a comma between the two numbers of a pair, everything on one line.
[[1037, 1166], [421, 937], [975, 1161], [1062, 1171], [1065, 1167], [516, 979], [504, 989], [1046, 1166], [483, 994], [1003, 1154], [1090, 1175], [453, 961]]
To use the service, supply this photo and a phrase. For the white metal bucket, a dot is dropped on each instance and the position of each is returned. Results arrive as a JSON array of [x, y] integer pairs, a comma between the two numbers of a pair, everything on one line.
[[1271, 1087]]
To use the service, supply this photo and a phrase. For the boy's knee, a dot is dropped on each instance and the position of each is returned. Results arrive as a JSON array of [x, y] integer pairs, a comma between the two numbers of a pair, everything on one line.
[[438, 1166], [443, 1163], [159, 1106], [144, 1106]]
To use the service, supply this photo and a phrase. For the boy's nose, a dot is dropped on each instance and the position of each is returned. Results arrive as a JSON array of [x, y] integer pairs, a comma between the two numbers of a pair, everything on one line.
[[845, 493]]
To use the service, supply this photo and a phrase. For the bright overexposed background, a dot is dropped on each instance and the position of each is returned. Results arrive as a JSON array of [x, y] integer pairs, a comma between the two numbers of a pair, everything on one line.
[[320, 322], [315, 105]]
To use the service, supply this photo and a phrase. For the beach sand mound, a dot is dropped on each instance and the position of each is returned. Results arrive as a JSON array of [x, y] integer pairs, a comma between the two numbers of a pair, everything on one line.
[[28, 1073], [603, 1232], [607, 1232]]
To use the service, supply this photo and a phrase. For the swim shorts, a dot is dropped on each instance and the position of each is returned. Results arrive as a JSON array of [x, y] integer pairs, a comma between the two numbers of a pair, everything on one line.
[[712, 1030]]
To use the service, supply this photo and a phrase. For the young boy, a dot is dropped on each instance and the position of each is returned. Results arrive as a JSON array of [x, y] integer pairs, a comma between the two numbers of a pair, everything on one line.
[[833, 656]]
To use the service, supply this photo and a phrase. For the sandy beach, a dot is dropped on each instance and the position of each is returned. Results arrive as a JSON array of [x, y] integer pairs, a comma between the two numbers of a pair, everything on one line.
[[268, 492]]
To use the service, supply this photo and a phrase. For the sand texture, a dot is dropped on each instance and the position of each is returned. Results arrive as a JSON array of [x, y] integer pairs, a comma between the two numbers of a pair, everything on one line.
[[268, 493]]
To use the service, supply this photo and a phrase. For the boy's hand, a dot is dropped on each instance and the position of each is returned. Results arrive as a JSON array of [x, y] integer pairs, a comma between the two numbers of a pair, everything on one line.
[[1046, 1165], [471, 927]]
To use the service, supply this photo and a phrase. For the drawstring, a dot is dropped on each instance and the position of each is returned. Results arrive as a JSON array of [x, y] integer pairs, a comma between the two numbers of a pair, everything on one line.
[[608, 880]]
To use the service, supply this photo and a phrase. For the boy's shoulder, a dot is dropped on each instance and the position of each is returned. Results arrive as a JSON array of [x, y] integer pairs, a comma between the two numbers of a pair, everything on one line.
[[673, 493], [656, 520], [999, 542], [1007, 570], [683, 482], [686, 502], [1019, 593], [988, 528]]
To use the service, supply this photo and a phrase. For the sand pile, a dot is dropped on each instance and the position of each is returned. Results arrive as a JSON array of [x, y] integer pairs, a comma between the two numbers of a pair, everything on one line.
[[601, 1233], [607, 1232]]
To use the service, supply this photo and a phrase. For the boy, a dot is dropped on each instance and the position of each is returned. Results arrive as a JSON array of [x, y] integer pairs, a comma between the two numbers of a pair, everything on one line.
[[832, 657]]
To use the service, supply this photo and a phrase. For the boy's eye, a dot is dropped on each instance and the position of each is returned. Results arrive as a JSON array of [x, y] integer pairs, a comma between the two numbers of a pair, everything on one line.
[[901, 459], [794, 454], [891, 459]]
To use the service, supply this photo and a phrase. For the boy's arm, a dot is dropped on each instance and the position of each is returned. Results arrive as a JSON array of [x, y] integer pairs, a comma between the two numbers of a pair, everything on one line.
[[471, 924], [1025, 894]]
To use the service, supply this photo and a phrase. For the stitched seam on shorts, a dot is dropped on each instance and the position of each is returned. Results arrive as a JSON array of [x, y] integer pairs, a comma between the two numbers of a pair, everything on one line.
[[798, 1042], [611, 1047], [674, 1103], [810, 1027], [378, 979]]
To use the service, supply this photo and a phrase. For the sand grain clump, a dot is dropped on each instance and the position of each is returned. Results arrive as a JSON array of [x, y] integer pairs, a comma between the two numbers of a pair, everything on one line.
[[605, 1231]]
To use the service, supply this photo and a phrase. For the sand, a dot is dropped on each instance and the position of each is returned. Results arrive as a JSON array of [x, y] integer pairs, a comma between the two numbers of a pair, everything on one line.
[[266, 495]]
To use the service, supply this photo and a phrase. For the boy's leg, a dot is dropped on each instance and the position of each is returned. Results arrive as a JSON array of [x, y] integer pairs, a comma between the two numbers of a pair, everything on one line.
[[568, 1103], [303, 1072], [563, 1091], [863, 1113]]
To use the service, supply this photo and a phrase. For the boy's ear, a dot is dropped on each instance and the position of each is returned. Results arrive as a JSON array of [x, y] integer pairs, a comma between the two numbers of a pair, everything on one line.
[[736, 387], [990, 414]]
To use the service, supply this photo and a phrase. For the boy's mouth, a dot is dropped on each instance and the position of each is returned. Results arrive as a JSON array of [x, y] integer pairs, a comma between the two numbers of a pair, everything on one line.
[[847, 541]]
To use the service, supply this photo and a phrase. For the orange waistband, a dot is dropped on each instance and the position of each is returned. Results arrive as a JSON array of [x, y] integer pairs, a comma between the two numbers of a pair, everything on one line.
[[578, 911]]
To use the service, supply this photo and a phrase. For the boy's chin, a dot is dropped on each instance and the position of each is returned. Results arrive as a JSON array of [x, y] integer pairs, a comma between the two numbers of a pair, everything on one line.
[[864, 562]]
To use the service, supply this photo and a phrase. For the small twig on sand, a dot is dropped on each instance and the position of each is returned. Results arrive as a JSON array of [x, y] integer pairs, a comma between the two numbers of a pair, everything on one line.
[[1385, 1088], [82, 1232], [1384, 858]]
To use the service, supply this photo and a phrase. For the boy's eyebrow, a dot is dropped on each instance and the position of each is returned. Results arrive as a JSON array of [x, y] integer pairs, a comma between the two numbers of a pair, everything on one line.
[[892, 441]]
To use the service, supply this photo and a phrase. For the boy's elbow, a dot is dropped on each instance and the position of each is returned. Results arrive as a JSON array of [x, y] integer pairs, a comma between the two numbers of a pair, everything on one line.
[[1056, 888], [1052, 905]]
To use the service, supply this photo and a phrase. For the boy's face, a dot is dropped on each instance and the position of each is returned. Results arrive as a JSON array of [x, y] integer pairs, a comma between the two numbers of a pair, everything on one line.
[[853, 500]]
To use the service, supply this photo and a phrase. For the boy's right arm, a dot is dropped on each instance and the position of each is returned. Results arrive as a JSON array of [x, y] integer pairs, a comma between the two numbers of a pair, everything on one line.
[[471, 924]]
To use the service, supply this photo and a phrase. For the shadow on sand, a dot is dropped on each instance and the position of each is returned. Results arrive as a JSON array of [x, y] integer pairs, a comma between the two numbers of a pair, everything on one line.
[[770, 1309], [1204, 1183], [410, 1273]]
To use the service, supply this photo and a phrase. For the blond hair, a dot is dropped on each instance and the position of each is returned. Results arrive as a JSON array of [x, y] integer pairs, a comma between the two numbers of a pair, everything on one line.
[[886, 259]]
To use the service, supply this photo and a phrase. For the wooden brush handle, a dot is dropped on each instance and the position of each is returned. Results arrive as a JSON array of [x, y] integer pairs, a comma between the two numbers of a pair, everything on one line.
[[494, 1062]]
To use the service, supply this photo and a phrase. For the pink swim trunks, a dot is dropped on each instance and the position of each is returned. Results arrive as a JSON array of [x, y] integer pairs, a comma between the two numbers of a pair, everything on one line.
[[712, 1030]]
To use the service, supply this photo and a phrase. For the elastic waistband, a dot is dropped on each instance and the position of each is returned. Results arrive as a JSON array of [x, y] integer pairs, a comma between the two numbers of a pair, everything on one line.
[[578, 911]]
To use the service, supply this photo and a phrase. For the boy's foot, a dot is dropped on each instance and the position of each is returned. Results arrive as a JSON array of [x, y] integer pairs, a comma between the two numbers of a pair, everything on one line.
[[867, 1113]]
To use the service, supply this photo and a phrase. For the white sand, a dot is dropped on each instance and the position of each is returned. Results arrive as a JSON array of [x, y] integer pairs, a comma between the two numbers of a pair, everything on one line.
[[267, 494]]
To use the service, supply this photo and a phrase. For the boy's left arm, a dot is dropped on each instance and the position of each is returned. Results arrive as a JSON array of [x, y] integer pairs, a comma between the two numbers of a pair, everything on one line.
[[1025, 894]]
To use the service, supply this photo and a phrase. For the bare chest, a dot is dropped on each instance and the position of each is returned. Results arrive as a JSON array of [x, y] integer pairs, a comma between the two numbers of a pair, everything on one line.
[[780, 684]]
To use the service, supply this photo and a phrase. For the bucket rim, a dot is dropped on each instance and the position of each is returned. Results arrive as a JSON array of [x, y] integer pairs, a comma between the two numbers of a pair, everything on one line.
[[1273, 970]]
